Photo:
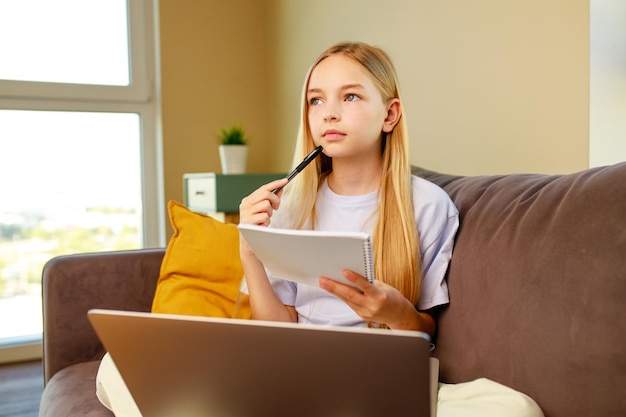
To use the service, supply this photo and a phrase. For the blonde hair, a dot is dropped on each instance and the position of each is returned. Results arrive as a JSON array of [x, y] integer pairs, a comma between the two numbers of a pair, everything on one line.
[[396, 242]]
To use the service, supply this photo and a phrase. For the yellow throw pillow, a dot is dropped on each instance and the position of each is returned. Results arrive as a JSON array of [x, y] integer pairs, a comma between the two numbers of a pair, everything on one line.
[[201, 271]]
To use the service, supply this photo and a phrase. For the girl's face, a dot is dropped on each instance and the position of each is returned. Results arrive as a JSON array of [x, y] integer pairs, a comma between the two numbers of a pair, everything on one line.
[[346, 112]]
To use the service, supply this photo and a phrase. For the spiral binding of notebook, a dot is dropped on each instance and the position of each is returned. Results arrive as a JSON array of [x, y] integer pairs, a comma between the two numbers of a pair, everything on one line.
[[368, 259]]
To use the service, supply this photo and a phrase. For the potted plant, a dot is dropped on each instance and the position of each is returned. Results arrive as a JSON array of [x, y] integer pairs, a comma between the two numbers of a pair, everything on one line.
[[233, 150]]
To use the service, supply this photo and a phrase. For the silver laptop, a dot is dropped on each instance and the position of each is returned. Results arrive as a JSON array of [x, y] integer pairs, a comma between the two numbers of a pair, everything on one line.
[[196, 366]]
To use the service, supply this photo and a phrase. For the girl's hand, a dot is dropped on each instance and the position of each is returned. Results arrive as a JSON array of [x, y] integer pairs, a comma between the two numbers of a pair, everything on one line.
[[379, 302], [258, 207]]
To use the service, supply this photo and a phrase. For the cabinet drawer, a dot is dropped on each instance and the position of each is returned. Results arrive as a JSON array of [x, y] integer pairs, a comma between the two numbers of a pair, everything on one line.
[[201, 193]]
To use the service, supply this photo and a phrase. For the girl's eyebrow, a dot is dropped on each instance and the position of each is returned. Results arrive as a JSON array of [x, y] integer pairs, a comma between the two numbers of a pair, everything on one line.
[[353, 86], [343, 88]]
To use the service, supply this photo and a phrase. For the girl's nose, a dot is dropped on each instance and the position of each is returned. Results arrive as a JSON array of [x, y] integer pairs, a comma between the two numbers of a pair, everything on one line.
[[330, 115]]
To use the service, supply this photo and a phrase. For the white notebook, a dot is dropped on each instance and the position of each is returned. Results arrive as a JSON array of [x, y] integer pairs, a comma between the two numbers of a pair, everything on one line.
[[305, 255]]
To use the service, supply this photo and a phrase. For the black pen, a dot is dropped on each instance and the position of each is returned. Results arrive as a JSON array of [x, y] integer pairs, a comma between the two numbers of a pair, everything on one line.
[[310, 157]]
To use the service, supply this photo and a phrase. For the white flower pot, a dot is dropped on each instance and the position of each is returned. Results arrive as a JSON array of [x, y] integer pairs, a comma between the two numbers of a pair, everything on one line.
[[233, 158]]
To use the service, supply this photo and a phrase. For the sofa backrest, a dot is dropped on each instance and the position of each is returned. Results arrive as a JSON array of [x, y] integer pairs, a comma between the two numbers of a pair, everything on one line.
[[538, 287], [74, 284]]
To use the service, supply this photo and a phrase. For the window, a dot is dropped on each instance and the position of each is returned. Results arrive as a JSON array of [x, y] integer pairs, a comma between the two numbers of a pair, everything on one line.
[[79, 150], [607, 82]]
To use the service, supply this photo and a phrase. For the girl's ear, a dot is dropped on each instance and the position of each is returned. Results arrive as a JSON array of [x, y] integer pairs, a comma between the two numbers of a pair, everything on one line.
[[394, 111]]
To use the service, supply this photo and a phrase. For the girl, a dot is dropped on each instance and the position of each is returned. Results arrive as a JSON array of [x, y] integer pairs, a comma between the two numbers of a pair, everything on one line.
[[362, 182]]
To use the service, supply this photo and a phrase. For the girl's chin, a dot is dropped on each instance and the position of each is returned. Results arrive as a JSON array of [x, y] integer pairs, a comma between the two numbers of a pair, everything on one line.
[[333, 149]]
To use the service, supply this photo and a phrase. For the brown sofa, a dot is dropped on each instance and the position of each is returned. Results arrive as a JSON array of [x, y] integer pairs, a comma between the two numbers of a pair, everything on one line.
[[537, 286]]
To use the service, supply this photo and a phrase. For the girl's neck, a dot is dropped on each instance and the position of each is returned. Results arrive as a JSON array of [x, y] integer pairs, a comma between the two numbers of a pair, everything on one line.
[[354, 179]]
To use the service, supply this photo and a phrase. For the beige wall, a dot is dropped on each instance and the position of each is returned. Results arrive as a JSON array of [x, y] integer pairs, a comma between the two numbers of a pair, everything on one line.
[[213, 70], [489, 86]]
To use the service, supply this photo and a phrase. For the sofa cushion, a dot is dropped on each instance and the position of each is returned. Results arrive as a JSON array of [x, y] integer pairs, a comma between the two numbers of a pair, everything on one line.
[[537, 280], [201, 270], [72, 392]]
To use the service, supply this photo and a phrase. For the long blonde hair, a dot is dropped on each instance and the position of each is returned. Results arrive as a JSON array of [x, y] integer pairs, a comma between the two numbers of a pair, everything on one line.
[[396, 242]]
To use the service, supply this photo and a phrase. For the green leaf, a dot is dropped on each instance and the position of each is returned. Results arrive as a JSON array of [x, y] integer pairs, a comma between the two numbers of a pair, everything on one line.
[[233, 136]]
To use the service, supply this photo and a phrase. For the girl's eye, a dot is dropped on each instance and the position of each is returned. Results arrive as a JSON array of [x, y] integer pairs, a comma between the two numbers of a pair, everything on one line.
[[352, 97], [314, 101]]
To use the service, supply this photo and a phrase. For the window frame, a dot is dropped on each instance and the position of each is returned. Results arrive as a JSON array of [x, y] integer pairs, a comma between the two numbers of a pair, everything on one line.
[[141, 96]]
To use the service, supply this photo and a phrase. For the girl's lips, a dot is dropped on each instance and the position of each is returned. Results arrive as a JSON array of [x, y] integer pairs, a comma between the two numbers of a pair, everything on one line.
[[333, 134]]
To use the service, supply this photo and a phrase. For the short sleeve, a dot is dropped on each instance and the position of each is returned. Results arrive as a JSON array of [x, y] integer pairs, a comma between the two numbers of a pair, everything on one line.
[[285, 290], [437, 220]]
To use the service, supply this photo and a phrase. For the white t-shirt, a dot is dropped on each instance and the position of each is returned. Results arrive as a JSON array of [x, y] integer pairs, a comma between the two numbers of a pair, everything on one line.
[[437, 222]]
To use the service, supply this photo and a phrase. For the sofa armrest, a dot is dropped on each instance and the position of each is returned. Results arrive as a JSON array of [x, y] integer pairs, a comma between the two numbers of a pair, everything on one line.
[[74, 284]]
